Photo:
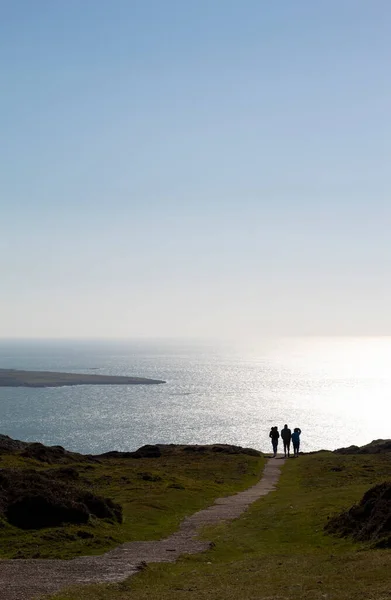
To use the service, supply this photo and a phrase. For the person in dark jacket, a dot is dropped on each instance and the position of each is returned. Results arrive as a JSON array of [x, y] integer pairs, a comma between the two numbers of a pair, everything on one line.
[[274, 436], [286, 435], [296, 441]]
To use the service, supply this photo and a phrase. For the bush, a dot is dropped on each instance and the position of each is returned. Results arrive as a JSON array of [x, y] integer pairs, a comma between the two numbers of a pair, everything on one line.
[[369, 520], [32, 500]]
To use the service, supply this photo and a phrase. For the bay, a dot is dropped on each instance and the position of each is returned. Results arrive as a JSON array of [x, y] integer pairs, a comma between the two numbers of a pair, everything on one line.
[[336, 390]]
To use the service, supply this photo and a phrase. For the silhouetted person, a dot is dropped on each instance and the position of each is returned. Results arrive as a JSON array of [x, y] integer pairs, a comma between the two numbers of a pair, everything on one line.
[[286, 435], [274, 435], [296, 441]]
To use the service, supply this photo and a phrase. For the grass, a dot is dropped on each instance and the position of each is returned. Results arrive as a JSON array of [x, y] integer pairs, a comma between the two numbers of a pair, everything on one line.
[[156, 494], [278, 549]]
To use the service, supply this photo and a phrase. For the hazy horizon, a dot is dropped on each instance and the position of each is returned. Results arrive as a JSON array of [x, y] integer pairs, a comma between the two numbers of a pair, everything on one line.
[[198, 340], [195, 170]]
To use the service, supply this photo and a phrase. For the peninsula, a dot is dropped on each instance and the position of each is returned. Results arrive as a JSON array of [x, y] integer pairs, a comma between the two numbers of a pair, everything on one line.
[[41, 379]]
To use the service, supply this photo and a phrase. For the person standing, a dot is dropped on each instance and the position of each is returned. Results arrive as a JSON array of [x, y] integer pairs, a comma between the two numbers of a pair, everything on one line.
[[286, 435], [296, 441], [274, 436]]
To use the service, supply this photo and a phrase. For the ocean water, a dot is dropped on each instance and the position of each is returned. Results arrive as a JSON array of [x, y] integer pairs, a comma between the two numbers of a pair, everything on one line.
[[337, 390]]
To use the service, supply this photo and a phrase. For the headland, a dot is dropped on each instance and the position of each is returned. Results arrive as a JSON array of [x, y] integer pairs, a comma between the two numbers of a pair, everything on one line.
[[42, 379]]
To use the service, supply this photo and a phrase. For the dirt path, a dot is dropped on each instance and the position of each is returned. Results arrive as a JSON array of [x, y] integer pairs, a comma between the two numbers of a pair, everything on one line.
[[27, 579]]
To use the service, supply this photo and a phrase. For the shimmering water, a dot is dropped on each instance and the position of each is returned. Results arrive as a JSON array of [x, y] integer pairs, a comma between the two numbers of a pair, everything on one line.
[[337, 390]]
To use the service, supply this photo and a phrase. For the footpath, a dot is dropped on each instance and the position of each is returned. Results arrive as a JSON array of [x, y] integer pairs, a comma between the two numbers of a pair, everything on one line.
[[27, 579]]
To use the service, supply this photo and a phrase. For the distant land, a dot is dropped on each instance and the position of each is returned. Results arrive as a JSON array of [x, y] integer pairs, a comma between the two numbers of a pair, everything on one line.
[[41, 379]]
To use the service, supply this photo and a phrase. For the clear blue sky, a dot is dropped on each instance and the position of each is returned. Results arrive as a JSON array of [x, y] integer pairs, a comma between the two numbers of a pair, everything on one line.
[[195, 168]]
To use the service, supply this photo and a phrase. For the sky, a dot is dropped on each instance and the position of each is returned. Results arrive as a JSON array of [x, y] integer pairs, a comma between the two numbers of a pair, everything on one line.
[[194, 168]]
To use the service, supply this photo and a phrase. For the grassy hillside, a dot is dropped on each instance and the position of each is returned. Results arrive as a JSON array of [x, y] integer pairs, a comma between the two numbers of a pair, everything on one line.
[[155, 494], [278, 549]]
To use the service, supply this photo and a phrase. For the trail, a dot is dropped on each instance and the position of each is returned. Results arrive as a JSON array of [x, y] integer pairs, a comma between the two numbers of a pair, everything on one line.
[[27, 579]]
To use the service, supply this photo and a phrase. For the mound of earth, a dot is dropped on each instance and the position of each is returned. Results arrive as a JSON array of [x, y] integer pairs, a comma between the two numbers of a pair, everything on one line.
[[32, 499], [375, 447], [369, 520]]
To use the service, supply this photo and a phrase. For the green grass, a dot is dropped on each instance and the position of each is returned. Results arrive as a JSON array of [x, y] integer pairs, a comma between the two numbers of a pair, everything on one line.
[[156, 494], [278, 549]]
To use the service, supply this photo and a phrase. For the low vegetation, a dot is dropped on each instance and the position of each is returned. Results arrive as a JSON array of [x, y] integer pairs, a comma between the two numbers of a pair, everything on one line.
[[59, 504], [368, 520], [279, 549], [31, 499]]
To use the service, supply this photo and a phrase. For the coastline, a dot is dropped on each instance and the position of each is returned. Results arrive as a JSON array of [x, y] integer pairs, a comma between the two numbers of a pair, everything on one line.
[[43, 379]]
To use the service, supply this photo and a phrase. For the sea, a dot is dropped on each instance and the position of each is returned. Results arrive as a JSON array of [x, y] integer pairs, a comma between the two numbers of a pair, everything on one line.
[[337, 390]]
